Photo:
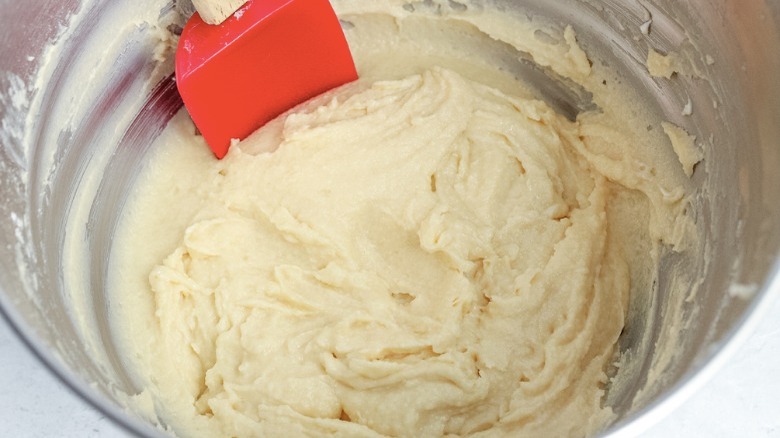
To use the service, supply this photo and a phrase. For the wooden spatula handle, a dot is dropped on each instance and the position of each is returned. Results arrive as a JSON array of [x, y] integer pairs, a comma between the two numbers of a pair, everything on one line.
[[217, 11]]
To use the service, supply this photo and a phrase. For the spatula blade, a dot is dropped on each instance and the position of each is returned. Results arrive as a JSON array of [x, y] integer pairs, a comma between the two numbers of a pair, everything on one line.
[[270, 56]]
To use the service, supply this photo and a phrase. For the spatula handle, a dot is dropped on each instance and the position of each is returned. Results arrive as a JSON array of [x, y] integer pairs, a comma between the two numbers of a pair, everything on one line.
[[217, 11]]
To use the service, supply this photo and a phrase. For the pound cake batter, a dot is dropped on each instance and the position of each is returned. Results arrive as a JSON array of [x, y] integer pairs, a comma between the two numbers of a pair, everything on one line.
[[431, 251]]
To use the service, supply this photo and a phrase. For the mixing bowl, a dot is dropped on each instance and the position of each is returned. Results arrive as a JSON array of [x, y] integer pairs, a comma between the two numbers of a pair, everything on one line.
[[83, 93]]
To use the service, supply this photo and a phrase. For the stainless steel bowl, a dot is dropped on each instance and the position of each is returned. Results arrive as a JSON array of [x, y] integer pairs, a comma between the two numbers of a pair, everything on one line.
[[62, 124]]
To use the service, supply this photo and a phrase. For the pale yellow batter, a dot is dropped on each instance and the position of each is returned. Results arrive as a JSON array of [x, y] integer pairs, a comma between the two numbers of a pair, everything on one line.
[[426, 252]]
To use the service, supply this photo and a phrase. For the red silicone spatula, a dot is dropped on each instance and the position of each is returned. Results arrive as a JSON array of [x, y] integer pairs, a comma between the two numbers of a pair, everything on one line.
[[264, 59]]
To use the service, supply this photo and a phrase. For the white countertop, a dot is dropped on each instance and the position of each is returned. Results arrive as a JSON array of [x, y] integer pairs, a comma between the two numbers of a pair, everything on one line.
[[742, 400]]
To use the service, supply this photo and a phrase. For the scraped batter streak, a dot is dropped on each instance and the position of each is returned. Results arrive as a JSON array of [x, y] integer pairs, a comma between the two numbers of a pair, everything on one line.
[[419, 256]]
